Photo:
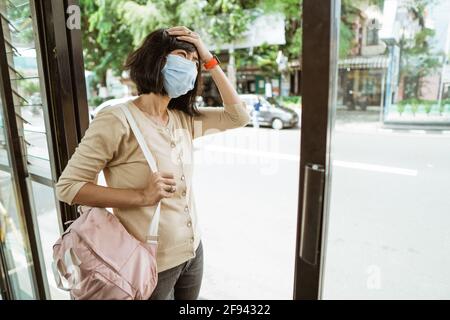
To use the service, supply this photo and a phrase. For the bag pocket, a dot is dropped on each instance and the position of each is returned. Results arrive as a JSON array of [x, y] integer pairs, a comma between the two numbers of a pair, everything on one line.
[[97, 287]]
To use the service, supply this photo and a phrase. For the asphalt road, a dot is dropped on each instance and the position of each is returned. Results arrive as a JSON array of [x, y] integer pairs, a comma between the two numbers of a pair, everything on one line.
[[388, 228]]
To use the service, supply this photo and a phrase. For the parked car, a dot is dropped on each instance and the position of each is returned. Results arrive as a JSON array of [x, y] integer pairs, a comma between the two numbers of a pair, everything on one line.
[[272, 115], [199, 102], [108, 103], [297, 109]]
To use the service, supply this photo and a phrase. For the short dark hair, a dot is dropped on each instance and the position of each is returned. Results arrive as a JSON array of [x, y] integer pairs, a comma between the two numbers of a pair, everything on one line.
[[146, 62]]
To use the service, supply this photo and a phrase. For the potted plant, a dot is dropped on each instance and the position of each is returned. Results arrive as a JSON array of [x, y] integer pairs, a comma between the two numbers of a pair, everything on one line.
[[445, 106], [415, 106], [428, 106], [401, 105]]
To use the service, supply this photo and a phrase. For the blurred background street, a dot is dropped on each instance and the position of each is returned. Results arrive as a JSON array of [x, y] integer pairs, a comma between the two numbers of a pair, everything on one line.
[[381, 215]]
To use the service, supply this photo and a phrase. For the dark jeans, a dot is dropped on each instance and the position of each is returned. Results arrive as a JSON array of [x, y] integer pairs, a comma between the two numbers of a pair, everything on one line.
[[182, 282]]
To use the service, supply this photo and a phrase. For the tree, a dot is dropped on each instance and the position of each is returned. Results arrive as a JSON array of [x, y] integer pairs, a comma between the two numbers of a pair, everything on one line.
[[145, 16], [293, 12], [264, 57], [418, 59], [228, 19], [114, 27], [106, 40]]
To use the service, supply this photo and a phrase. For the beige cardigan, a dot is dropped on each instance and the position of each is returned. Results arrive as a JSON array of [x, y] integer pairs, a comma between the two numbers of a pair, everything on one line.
[[110, 145]]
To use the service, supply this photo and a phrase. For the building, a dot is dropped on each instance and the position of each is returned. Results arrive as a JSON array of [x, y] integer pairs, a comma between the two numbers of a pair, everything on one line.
[[362, 72], [416, 79]]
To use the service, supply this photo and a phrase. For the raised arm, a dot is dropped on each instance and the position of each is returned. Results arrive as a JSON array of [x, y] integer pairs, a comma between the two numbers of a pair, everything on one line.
[[234, 113]]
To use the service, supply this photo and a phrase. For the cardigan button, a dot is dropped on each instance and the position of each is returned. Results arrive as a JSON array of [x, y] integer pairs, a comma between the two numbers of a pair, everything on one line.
[[184, 193], [172, 145], [182, 177]]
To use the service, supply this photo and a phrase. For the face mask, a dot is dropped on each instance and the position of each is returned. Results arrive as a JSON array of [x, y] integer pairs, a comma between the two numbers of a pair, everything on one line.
[[179, 75]]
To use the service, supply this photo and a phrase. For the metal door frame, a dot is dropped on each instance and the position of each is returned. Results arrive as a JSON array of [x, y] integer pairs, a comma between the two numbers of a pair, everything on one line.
[[319, 76], [66, 115], [19, 172]]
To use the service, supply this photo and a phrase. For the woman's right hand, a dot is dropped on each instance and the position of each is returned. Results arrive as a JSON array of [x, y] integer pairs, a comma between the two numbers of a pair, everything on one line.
[[161, 185]]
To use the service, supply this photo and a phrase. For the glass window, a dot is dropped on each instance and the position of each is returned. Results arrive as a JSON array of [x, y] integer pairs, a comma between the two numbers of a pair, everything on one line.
[[387, 230], [26, 86], [372, 33], [28, 90], [13, 235], [47, 218]]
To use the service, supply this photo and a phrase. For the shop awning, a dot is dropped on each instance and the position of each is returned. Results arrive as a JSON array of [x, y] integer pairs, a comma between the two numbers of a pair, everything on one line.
[[359, 62], [374, 62]]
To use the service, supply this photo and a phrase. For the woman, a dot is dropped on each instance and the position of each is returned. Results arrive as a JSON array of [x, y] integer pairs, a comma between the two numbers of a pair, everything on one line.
[[166, 70]]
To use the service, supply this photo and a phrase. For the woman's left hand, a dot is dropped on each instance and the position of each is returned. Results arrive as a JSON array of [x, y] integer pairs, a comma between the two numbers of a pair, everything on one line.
[[184, 34]]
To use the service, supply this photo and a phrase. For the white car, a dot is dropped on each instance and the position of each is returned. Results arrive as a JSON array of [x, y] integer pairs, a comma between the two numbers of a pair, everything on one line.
[[108, 103]]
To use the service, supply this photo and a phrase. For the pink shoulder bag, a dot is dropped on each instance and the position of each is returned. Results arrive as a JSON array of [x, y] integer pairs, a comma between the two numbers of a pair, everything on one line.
[[97, 259]]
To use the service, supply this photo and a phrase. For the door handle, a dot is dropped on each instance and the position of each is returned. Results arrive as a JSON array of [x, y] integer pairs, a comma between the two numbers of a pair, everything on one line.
[[313, 190]]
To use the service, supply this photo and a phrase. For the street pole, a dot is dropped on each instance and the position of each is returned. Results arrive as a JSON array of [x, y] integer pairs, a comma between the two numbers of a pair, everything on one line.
[[391, 77], [444, 64], [388, 91]]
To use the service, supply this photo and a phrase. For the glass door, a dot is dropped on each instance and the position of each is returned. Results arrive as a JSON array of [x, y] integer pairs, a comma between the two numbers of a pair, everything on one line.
[[374, 212], [4, 292], [30, 222], [17, 265]]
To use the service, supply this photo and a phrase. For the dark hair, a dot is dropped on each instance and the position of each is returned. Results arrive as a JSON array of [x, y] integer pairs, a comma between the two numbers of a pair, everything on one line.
[[145, 65]]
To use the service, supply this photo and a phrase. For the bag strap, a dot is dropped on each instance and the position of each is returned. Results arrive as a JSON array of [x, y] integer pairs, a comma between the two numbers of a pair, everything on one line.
[[152, 234]]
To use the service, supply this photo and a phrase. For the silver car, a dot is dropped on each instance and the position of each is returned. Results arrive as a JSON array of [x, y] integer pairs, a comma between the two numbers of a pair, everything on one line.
[[272, 115]]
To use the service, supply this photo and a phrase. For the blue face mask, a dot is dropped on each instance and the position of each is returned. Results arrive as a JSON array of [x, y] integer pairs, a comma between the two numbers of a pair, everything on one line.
[[179, 75]]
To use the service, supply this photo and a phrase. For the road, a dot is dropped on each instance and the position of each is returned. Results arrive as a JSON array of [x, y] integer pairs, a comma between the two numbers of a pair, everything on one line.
[[388, 221]]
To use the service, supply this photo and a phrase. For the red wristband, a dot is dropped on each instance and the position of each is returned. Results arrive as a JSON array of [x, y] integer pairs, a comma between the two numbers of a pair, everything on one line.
[[214, 61]]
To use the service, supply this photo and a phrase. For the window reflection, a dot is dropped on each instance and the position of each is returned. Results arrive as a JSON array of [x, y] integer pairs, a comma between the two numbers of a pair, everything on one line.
[[389, 201], [26, 86], [13, 239], [28, 91], [44, 199]]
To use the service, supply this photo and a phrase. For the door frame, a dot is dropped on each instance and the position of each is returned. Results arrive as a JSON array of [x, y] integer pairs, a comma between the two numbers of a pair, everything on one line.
[[319, 72], [63, 72], [19, 172], [66, 115], [4, 280]]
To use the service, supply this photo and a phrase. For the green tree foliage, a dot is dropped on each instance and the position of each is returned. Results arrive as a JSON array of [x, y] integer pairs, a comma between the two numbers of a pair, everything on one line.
[[142, 17], [227, 20], [418, 59], [350, 12], [292, 11], [19, 17], [106, 40], [114, 27], [263, 57]]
